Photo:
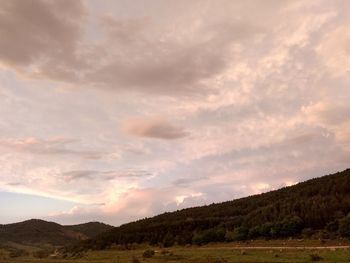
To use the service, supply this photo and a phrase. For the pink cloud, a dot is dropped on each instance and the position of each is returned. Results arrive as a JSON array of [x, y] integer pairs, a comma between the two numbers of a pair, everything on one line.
[[155, 128]]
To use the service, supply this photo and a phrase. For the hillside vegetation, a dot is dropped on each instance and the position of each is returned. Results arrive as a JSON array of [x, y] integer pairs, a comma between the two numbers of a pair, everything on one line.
[[90, 229], [317, 207], [37, 231]]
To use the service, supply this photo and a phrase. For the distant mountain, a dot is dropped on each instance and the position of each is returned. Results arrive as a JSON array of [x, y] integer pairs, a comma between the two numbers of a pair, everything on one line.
[[90, 229], [317, 207], [37, 231]]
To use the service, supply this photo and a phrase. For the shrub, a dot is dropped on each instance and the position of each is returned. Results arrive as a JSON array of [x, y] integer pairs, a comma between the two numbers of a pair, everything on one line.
[[43, 253], [15, 253], [344, 227], [315, 257], [168, 240], [216, 260], [240, 233], [307, 232], [148, 253]]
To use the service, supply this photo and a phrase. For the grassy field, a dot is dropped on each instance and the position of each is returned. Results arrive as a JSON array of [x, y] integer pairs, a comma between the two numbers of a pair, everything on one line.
[[208, 254]]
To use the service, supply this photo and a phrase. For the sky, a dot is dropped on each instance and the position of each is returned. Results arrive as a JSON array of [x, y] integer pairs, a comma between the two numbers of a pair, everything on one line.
[[117, 110]]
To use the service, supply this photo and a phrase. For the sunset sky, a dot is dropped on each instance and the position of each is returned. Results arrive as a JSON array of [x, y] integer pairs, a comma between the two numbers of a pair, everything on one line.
[[116, 110]]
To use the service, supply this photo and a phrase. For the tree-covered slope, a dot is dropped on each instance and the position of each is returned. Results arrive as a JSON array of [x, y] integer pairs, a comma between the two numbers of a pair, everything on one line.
[[37, 231], [318, 204], [33, 231], [90, 229]]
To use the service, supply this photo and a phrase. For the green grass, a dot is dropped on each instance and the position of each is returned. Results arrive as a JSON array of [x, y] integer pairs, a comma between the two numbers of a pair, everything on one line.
[[209, 254]]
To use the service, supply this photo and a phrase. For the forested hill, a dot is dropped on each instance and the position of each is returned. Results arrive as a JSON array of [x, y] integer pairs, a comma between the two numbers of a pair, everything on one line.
[[317, 207], [35, 231], [90, 229]]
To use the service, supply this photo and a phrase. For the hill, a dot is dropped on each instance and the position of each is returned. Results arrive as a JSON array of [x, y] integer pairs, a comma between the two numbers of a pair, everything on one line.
[[37, 231], [317, 207], [90, 229]]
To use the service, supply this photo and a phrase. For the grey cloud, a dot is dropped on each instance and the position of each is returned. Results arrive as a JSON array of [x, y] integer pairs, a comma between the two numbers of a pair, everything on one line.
[[169, 66], [44, 39], [79, 174], [48, 147], [165, 70], [40, 37], [303, 153], [155, 128], [134, 173], [123, 32], [334, 113], [103, 175], [302, 139], [250, 136], [136, 150], [188, 181]]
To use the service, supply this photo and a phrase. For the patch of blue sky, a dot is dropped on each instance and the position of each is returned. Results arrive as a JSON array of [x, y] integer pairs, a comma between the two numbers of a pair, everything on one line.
[[15, 207]]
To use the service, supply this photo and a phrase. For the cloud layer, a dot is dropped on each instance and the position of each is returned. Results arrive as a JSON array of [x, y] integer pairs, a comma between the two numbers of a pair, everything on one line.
[[154, 128], [126, 110]]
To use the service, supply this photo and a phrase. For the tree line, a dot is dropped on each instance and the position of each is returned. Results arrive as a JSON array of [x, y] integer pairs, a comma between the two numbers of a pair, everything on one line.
[[316, 208]]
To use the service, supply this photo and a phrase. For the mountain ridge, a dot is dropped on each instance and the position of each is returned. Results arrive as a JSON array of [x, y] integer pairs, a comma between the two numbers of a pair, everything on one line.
[[318, 206], [34, 231]]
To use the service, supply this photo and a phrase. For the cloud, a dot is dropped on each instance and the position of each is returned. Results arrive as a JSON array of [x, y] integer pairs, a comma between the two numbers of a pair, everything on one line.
[[129, 207], [167, 64], [54, 146], [76, 213], [154, 201], [333, 115], [334, 50], [40, 38], [103, 175], [48, 40], [328, 113], [258, 92], [155, 128]]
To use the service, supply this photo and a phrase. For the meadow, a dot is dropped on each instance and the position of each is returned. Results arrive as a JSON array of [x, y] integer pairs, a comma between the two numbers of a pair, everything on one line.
[[206, 254]]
